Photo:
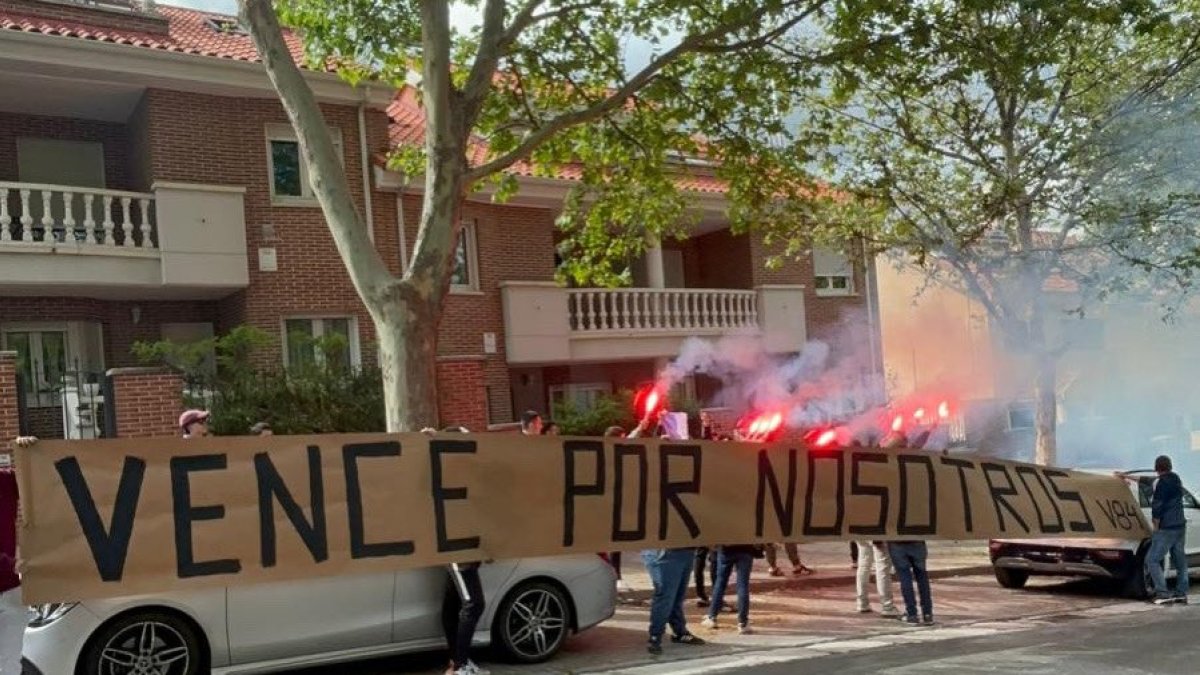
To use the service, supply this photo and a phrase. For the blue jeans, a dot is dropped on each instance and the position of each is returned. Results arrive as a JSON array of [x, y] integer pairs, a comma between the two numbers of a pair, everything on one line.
[[726, 564], [1161, 543], [669, 573], [909, 560]]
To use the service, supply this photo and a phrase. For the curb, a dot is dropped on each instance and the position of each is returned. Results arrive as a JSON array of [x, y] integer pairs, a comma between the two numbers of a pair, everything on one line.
[[798, 583]]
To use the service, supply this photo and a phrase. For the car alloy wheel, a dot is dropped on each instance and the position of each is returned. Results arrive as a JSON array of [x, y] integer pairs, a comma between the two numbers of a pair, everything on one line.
[[149, 643], [533, 622]]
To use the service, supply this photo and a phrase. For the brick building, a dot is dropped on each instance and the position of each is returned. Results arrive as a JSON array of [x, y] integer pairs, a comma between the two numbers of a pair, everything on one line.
[[151, 188]]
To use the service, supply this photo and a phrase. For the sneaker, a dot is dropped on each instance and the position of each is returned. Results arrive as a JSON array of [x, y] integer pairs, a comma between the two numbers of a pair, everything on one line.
[[745, 629], [687, 639], [775, 572], [709, 623], [927, 620], [702, 602], [863, 610], [892, 613], [910, 621], [622, 587], [654, 647], [1181, 600], [1164, 600], [801, 569]]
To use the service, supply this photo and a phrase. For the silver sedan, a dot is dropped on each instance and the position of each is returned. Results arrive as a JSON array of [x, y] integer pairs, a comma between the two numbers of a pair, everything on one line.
[[533, 605]]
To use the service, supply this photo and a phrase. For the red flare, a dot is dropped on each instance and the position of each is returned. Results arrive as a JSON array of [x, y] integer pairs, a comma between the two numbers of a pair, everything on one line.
[[919, 414], [944, 409], [826, 438], [898, 423]]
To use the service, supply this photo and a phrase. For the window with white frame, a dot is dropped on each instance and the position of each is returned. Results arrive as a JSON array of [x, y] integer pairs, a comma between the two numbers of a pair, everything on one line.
[[833, 274], [321, 341], [1021, 415], [464, 277], [289, 175], [582, 397]]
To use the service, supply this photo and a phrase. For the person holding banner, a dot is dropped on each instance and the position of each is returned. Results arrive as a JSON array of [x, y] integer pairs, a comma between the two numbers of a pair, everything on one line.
[[909, 558], [668, 569], [194, 423], [14, 614], [874, 552], [531, 423]]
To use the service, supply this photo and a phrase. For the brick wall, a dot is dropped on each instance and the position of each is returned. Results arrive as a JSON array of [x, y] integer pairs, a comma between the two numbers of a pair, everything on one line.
[[116, 317], [460, 394], [147, 401], [223, 141], [118, 164], [9, 415]]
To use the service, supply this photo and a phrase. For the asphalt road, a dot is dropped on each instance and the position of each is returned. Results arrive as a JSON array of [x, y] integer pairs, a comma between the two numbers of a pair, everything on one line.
[[1055, 626], [1162, 641]]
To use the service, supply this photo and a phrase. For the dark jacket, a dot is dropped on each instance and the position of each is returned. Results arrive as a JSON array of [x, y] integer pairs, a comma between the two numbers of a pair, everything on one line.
[[8, 531], [1167, 504]]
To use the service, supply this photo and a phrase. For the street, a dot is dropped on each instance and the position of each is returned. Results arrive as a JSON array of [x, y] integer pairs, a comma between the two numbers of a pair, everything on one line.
[[1055, 625]]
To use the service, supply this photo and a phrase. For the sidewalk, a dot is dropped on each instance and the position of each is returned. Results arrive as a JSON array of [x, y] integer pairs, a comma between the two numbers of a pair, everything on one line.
[[830, 562]]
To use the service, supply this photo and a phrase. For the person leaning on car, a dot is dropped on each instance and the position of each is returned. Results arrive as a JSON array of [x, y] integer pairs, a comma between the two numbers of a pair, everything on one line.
[[1166, 512]]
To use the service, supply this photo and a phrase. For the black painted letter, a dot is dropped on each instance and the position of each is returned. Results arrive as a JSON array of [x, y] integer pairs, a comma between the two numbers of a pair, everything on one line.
[[839, 496], [110, 544], [1000, 494], [962, 465], [857, 489], [443, 494], [785, 509], [359, 548], [669, 490], [271, 487], [902, 527], [186, 514], [620, 452], [571, 489]]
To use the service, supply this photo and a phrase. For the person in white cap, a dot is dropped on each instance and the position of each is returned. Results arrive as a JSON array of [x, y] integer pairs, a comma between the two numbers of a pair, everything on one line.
[[194, 423]]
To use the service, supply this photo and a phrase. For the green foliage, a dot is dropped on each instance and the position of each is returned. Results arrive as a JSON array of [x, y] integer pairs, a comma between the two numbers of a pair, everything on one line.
[[611, 410], [556, 84], [316, 396]]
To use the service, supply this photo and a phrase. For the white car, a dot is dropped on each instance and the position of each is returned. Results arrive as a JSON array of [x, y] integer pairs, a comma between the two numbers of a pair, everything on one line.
[[1118, 560], [533, 604]]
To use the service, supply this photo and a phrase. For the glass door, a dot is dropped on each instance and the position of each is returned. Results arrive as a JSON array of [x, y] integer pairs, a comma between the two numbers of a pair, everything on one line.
[[41, 363]]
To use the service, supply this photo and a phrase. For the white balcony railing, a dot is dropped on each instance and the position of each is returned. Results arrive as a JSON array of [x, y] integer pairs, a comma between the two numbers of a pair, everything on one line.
[[600, 311], [86, 217]]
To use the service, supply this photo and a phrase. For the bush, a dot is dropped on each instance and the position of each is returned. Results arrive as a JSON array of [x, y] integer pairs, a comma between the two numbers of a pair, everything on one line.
[[312, 398], [615, 410]]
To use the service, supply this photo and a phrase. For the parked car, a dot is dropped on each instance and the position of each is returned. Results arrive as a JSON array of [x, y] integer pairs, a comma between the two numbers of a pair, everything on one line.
[[533, 605], [1119, 560]]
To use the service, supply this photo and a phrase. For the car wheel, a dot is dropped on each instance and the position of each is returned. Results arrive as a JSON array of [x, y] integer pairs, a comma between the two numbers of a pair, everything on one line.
[[1011, 578], [145, 643], [1139, 585], [533, 622]]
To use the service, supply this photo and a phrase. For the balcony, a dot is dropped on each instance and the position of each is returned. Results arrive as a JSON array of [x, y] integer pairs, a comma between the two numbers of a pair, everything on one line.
[[177, 241], [545, 323]]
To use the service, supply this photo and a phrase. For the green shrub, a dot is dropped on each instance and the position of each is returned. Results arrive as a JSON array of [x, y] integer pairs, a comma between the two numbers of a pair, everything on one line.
[[614, 409], [309, 398]]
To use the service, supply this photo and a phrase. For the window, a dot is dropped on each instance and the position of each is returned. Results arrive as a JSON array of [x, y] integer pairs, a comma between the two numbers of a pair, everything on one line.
[[832, 272], [289, 176], [464, 278], [324, 341], [1021, 416], [582, 397]]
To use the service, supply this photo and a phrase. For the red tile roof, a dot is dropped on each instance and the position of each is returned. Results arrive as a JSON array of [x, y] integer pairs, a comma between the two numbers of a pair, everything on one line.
[[408, 128], [188, 32]]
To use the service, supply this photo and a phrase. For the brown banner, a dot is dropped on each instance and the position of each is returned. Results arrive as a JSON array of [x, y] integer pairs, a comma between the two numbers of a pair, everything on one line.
[[119, 517]]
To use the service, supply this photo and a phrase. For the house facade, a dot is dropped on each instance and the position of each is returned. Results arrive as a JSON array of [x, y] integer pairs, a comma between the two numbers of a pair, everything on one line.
[[151, 188]]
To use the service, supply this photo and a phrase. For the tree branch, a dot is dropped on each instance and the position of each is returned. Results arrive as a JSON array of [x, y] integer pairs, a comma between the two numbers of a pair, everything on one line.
[[326, 174], [691, 44], [491, 50]]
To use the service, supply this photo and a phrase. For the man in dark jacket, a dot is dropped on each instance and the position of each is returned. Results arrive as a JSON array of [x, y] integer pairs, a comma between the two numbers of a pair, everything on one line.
[[1166, 512]]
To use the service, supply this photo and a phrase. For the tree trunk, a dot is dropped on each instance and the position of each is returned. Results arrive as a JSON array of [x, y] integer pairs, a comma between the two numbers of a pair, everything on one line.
[[407, 335], [1046, 410]]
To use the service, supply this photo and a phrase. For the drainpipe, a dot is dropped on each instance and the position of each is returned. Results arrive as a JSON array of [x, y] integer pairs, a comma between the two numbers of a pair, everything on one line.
[[369, 214]]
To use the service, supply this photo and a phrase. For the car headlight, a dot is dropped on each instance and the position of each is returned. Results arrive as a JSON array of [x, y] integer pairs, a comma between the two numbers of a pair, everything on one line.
[[44, 615]]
